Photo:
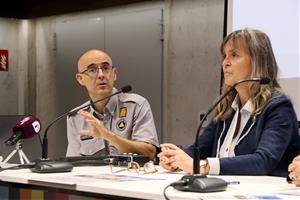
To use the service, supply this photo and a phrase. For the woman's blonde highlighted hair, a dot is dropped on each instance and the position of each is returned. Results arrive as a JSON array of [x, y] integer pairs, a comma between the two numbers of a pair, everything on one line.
[[263, 65]]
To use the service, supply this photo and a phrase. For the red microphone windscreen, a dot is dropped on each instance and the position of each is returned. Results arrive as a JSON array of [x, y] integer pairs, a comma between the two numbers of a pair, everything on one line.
[[29, 127]]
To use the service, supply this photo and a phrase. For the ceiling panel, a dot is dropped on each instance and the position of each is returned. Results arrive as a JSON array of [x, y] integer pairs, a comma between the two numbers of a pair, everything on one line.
[[26, 9]]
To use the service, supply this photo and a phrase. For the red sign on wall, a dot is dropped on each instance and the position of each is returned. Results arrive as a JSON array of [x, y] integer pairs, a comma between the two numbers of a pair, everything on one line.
[[3, 60]]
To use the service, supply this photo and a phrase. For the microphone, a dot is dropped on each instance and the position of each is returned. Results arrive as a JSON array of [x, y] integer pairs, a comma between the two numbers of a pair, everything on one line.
[[24, 129], [124, 89], [198, 182]]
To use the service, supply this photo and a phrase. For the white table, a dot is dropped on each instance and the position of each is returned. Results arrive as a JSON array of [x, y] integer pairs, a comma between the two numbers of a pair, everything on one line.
[[99, 180]]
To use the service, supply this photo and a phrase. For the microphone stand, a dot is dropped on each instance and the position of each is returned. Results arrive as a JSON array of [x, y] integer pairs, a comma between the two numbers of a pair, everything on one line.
[[18, 149]]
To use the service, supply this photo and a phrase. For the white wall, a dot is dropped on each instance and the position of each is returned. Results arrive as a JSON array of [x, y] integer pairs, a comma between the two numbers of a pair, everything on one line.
[[281, 21]]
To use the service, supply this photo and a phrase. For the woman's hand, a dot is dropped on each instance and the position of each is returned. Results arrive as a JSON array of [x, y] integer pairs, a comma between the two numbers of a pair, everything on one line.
[[173, 158], [294, 169]]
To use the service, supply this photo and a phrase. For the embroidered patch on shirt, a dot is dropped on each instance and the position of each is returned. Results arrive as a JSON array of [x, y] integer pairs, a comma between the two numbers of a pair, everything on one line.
[[121, 125], [123, 112]]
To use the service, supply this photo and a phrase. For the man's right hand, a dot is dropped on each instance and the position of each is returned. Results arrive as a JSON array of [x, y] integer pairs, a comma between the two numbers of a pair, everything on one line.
[[98, 130]]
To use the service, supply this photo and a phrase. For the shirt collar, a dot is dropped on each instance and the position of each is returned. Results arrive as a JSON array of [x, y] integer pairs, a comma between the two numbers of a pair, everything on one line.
[[110, 106], [248, 107]]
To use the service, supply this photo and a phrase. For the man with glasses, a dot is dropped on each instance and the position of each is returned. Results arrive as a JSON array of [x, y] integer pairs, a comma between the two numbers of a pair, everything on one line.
[[122, 124]]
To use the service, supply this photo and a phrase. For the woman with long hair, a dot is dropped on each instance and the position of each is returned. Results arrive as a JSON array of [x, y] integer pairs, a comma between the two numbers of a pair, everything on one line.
[[254, 130]]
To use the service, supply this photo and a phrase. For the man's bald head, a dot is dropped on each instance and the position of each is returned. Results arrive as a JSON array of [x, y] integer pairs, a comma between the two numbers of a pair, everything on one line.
[[93, 56]]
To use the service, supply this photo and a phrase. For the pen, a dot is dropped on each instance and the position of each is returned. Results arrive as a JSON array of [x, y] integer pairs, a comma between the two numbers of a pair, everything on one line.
[[233, 182]]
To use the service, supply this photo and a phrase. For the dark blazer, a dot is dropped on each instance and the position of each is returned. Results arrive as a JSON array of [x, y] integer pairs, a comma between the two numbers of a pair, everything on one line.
[[267, 144]]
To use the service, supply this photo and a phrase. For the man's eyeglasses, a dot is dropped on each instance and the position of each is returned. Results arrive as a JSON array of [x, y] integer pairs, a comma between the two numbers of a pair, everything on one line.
[[148, 168], [93, 70]]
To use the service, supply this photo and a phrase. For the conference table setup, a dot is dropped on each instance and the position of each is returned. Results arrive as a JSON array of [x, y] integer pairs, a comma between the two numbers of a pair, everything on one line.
[[105, 96], [114, 182]]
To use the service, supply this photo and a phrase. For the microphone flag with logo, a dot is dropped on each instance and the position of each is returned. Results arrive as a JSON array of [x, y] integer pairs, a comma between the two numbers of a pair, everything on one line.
[[24, 129]]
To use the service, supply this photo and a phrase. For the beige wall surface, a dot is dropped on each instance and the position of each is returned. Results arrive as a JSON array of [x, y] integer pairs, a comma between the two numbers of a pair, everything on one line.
[[291, 86], [9, 82], [193, 65]]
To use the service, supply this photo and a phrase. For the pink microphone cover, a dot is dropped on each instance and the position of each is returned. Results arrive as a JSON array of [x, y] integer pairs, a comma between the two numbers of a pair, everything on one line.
[[29, 127]]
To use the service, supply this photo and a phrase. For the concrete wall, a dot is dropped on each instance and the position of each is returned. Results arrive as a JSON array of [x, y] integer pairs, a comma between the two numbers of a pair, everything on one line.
[[193, 65], [193, 33], [9, 80], [46, 104], [17, 86]]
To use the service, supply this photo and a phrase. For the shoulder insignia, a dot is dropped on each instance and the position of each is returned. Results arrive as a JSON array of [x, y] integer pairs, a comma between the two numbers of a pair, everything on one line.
[[121, 124], [123, 112]]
